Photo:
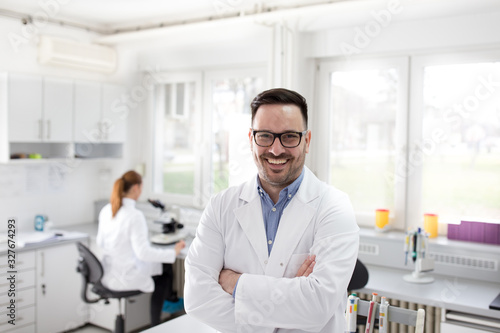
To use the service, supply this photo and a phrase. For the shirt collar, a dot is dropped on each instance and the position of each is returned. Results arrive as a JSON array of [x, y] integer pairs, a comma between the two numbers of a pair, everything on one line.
[[288, 191], [128, 202]]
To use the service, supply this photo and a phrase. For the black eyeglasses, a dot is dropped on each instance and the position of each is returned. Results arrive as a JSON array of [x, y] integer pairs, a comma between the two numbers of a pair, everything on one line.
[[287, 139]]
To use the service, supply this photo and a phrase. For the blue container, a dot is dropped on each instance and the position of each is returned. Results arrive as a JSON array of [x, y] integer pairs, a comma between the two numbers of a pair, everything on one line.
[[39, 222]]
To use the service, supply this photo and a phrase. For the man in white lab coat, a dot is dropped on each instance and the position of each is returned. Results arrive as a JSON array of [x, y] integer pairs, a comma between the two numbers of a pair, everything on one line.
[[274, 254]]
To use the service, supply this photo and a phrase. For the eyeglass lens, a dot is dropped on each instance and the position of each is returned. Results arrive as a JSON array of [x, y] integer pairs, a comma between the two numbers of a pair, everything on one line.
[[288, 140]]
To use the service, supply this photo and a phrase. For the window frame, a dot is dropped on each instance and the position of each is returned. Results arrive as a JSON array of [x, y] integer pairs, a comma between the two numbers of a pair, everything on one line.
[[415, 132], [157, 135], [208, 78], [322, 148], [203, 185]]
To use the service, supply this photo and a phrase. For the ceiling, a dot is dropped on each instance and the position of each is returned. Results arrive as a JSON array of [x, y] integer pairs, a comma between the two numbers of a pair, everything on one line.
[[113, 16], [124, 17]]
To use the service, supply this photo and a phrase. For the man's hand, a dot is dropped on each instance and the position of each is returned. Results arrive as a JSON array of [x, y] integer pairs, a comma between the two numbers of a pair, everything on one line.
[[228, 279], [307, 266]]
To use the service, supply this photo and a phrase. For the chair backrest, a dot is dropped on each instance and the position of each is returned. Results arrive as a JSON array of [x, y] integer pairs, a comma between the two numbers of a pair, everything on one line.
[[359, 277], [94, 271]]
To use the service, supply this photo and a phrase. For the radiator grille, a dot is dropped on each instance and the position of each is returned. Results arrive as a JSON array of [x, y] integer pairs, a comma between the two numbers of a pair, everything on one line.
[[465, 261], [368, 248], [432, 316]]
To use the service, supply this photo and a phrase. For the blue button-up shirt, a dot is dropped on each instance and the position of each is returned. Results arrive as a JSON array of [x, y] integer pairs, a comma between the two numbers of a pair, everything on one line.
[[272, 212]]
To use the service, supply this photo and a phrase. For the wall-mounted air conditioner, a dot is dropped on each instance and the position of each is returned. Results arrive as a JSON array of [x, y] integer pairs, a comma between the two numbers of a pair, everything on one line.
[[68, 53]]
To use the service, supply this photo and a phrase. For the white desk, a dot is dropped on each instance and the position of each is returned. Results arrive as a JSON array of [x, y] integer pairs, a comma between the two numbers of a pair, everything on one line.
[[182, 324], [451, 293]]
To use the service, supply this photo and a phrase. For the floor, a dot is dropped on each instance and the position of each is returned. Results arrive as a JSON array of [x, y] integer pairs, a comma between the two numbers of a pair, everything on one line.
[[89, 328]]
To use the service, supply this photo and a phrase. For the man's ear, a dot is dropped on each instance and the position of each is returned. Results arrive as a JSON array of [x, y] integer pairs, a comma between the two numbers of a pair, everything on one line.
[[308, 140], [250, 139]]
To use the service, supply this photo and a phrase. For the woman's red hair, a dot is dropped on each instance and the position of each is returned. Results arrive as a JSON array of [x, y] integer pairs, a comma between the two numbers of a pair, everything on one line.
[[121, 187]]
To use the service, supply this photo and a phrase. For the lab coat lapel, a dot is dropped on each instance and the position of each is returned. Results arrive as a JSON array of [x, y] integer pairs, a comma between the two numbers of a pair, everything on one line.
[[295, 220], [250, 218]]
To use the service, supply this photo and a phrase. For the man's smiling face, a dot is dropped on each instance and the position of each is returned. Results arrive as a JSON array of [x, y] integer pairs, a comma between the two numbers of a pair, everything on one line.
[[279, 166]]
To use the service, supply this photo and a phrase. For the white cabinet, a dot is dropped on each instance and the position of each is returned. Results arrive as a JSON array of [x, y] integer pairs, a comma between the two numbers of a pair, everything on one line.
[[39, 109], [87, 112], [59, 307], [25, 108], [57, 110], [52, 117], [113, 118], [97, 119], [24, 293]]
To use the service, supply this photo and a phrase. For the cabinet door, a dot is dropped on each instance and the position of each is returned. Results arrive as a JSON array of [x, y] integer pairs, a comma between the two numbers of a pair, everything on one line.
[[114, 116], [25, 108], [59, 307], [87, 112], [57, 110]]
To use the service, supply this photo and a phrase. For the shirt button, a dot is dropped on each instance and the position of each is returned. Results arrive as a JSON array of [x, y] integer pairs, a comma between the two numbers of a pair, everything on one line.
[[270, 241], [274, 209], [281, 264], [289, 195], [265, 262]]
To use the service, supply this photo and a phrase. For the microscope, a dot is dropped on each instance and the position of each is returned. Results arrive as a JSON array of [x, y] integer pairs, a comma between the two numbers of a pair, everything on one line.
[[169, 225]]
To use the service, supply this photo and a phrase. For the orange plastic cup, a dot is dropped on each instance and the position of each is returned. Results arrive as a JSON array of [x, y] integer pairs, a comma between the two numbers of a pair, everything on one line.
[[381, 218], [431, 225]]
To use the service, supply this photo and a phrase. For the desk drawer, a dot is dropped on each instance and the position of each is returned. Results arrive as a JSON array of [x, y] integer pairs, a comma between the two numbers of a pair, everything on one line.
[[24, 260], [24, 329], [23, 298], [452, 328], [24, 317], [24, 279]]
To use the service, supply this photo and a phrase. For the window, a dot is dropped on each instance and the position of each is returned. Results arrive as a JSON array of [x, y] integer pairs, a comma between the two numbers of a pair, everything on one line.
[[198, 153], [231, 119], [366, 106], [177, 138], [459, 138], [435, 150]]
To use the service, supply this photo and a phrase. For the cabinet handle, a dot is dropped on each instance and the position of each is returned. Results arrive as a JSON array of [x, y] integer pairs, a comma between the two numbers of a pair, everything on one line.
[[48, 129], [40, 129], [43, 289], [42, 268], [101, 134]]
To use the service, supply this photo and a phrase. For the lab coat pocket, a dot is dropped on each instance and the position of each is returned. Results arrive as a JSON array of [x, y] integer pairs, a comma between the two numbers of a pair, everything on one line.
[[296, 260]]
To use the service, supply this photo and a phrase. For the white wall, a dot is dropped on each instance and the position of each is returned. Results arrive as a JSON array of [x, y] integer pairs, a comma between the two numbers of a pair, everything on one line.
[[65, 191], [424, 35], [219, 46]]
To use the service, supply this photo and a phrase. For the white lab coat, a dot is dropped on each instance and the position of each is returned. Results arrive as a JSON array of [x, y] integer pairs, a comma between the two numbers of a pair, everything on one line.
[[128, 259], [319, 220]]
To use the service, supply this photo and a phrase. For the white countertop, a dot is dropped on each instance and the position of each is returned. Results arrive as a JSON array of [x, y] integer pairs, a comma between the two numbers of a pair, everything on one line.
[[182, 324], [27, 241], [452, 293]]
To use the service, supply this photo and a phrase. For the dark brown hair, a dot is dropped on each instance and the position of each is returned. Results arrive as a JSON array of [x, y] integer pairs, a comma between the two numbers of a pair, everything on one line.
[[121, 187], [280, 96]]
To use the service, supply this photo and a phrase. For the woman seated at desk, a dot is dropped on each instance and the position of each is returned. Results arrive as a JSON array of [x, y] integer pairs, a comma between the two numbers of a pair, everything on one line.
[[129, 261]]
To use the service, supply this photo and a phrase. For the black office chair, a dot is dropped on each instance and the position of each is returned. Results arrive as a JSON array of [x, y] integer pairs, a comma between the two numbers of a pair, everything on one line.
[[91, 269], [359, 277]]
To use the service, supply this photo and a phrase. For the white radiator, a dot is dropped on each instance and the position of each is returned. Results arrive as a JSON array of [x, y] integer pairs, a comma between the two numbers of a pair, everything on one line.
[[432, 316]]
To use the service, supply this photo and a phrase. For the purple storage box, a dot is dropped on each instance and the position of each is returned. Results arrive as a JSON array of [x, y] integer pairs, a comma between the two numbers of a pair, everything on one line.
[[480, 232]]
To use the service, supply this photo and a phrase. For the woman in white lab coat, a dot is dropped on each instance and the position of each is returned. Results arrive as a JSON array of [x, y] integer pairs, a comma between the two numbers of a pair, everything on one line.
[[128, 259]]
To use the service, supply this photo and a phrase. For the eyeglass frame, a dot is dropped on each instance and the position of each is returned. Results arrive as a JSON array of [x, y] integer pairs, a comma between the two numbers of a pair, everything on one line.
[[278, 135]]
